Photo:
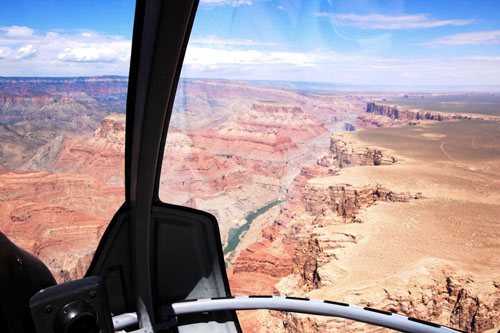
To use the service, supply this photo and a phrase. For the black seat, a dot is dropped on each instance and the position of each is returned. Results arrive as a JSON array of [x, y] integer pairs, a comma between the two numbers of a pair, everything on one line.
[[21, 276]]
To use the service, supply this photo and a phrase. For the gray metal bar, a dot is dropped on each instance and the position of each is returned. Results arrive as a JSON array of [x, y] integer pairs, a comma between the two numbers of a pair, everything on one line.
[[124, 320], [302, 305], [370, 316]]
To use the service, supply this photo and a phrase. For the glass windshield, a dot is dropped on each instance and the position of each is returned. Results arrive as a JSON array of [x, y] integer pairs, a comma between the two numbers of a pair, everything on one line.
[[63, 86], [350, 151]]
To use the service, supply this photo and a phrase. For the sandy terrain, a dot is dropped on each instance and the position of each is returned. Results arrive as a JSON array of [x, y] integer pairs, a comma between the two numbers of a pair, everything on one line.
[[458, 218]]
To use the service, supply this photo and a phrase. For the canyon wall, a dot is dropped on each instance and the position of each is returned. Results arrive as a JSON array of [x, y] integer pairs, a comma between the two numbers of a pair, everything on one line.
[[61, 215], [433, 290], [312, 195], [241, 165], [326, 217], [58, 217], [37, 112], [407, 116], [207, 103], [61, 104]]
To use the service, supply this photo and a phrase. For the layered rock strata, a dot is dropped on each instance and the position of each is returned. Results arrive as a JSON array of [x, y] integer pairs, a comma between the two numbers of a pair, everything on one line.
[[407, 116], [61, 215], [317, 219], [269, 131], [299, 213], [100, 156], [61, 104], [433, 290], [243, 164], [345, 200], [344, 152], [58, 217], [206, 103]]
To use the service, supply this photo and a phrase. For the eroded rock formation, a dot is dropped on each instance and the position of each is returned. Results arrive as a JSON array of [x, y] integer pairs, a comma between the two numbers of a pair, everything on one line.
[[346, 200], [241, 165], [58, 217], [407, 116], [62, 104], [309, 203], [431, 289], [61, 215], [318, 218], [269, 258], [344, 153]]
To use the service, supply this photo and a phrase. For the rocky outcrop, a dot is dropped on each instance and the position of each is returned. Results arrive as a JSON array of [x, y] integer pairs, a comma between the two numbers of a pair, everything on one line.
[[101, 156], [370, 120], [58, 217], [346, 153], [313, 198], [194, 171], [406, 116], [261, 265], [111, 133], [322, 198], [431, 290], [76, 104], [206, 103], [268, 131]]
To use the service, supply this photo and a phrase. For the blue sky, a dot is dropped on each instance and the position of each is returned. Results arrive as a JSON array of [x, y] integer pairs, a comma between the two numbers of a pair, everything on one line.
[[341, 41]]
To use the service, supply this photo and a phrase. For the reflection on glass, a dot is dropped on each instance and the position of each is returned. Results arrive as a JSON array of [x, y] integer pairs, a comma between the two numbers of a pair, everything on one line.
[[350, 151]]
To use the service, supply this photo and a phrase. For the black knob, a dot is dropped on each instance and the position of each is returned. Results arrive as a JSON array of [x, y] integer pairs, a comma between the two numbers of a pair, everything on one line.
[[76, 317]]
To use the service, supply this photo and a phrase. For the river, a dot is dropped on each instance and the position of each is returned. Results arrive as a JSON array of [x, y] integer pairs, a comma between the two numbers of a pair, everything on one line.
[[234, 235]]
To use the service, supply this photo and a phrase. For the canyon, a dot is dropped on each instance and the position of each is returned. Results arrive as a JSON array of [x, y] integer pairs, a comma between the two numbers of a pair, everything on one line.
[[391, 224], [36, 111], [67, 135], [60, 214], [331, 196], [242, 164]]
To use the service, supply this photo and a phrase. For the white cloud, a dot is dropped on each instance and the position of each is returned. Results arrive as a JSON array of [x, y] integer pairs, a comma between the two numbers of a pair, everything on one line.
[[468, 38], [215, 41], [93, 52], [327, 66], [5, 52], [87, 54], [480, 58], [206, 57], [16, 31], [233, 3], [63, 53], [90, 53], [25, 52], [390, 22]]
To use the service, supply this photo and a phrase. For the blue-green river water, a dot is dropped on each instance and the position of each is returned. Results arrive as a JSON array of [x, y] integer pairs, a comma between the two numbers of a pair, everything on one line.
[[234, 235]]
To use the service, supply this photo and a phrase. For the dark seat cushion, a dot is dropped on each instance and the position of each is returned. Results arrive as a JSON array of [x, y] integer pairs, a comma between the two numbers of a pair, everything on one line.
[[21, 276]]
